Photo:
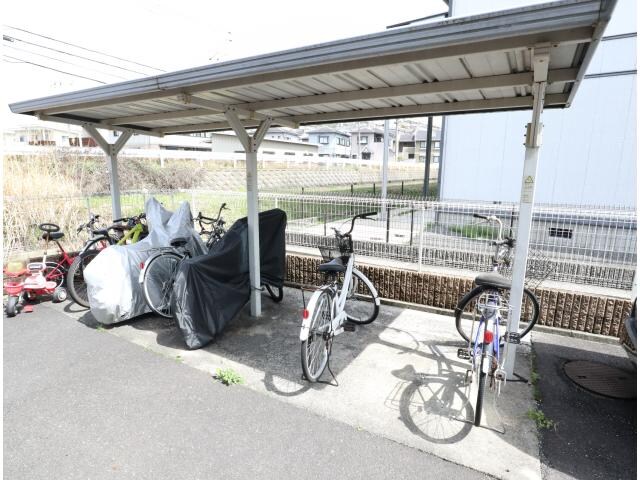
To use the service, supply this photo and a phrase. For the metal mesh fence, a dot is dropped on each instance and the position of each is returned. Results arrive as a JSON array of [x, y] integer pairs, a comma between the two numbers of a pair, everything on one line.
[[579, 244]]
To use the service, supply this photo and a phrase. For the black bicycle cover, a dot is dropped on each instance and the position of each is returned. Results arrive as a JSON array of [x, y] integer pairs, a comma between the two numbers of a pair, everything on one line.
[[211, 289]]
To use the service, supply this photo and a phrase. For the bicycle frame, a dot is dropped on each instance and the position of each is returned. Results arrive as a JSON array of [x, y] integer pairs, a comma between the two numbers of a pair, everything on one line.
[[132, 234], [338, 314]]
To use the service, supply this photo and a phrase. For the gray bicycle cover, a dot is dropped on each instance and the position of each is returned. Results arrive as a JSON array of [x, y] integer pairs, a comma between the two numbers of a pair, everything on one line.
[[113, 287]]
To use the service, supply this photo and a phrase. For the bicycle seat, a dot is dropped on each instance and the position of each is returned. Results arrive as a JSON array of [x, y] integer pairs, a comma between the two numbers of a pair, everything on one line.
[[52, 235], [103, 231], [493, 280], [178, 242], [334, 266]]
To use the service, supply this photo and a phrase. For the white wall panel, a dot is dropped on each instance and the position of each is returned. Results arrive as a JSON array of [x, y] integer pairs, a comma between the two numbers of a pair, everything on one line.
[[588, 154]]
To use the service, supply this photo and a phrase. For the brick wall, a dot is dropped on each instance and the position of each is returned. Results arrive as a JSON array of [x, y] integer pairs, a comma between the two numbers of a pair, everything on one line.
[[561, 309]]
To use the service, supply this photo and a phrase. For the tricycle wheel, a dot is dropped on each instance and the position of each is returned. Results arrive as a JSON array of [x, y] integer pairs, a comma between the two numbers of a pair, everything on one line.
[[59, 295], [12, 306]]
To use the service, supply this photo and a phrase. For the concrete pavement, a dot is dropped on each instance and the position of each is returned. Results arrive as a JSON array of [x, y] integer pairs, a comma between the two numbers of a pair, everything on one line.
[[80, 403], [399, 378]]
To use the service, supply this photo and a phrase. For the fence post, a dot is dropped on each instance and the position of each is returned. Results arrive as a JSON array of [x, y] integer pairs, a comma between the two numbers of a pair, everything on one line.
[[421, 243], [374, 188], [411, 233], [302, 205], [325, 223], [402, 191], [388, 209]]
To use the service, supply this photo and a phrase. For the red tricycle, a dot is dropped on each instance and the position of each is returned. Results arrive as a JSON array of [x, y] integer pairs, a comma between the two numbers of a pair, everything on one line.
[[37, 278]]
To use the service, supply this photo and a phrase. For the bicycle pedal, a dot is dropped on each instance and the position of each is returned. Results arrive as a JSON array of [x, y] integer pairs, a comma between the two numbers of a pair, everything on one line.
[[500, 375], [463, 353], [513, 337], [349, 327], [468, 377]]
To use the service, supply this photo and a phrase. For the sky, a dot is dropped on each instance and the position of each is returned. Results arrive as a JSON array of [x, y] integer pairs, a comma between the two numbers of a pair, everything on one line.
[[166, 35]]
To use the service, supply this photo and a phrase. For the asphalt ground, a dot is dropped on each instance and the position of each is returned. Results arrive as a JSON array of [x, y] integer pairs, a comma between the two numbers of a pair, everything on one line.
[[594, 436], [81, 403]]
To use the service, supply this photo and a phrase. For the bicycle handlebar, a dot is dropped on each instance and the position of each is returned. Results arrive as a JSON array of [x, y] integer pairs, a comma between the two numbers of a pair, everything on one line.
[[353, 222]]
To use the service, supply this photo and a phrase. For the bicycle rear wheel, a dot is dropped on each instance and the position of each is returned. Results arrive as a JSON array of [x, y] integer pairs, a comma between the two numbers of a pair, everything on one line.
[[314, 351], [76, 285], [362, 304], [157, 284], [54, 272], [468, 311]]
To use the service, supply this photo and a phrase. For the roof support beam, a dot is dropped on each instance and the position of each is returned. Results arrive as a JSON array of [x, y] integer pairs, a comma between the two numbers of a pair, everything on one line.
[[251, 144], [428, 109], [151, 117], [540, 65], [447, 86], [111, 151], [495, 104], [105, 126], [238, 110]]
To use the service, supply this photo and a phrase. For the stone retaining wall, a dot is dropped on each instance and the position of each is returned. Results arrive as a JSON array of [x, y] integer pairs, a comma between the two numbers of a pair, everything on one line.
[[562, 309]]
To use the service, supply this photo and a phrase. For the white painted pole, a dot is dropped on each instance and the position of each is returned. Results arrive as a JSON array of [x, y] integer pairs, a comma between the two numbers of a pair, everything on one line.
[[254, 230], [532, 150], [111, 151], [251, 145], [114, 183]]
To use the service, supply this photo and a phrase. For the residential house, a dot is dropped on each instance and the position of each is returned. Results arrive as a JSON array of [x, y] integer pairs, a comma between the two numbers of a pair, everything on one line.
[[331, 142]]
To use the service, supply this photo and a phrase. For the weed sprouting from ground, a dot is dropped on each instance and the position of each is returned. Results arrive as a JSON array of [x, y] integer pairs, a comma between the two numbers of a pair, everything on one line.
[[540, 418], [228, 376]]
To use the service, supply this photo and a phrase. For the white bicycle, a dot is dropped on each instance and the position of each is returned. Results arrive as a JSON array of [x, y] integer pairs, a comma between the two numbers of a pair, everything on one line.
[[346, 300]]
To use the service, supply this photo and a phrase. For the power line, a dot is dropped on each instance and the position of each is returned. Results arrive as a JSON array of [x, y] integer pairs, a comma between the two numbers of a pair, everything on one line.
[[84, 48], [21, 60], [63, 61], [9, 38]]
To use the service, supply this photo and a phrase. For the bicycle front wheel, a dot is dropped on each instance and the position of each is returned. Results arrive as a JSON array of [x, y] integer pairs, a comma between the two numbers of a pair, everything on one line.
[[362, 305], [76, 285], [469, 310], [314, 350], [157, 284]]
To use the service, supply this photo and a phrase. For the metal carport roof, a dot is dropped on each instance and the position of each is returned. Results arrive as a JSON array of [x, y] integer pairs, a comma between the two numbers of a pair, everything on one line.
[[472, 64], [525, 58]]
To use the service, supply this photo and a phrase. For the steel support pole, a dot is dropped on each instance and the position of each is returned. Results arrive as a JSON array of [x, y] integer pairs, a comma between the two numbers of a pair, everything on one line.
[[251, 144], [111, 151], [527, 194]]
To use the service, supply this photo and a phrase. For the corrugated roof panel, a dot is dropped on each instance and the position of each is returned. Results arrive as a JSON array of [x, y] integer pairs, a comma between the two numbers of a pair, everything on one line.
[[469, 64]]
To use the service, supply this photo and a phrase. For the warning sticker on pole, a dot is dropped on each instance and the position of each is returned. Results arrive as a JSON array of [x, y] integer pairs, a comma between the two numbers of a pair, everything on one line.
[[527, 189]]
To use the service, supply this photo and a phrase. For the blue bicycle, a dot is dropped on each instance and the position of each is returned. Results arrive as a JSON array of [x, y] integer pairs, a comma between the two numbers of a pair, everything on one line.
[[484, 350], [481, 312]]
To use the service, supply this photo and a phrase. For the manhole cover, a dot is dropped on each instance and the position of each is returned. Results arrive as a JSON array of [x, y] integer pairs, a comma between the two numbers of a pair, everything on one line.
[[602, 379]]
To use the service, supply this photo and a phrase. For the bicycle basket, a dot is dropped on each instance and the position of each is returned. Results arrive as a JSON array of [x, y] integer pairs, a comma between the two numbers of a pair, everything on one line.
[[539, 268], [342, 247]]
